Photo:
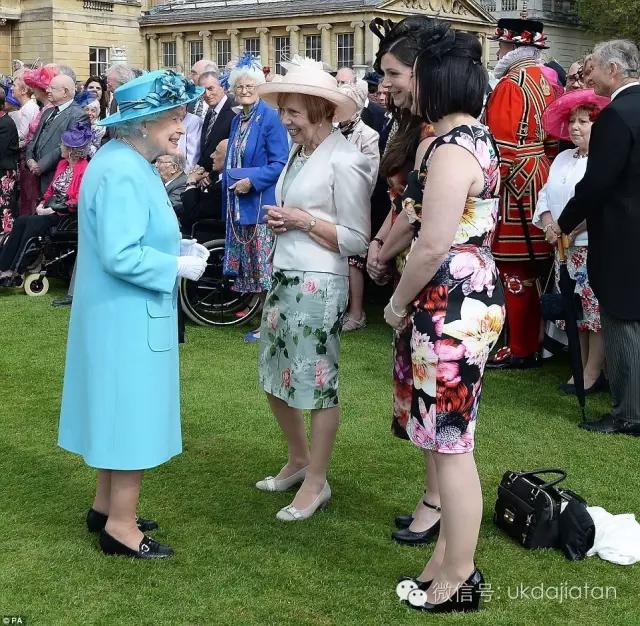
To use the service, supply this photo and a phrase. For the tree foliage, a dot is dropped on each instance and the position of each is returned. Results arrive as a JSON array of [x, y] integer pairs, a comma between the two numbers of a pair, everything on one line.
[[611, 19]]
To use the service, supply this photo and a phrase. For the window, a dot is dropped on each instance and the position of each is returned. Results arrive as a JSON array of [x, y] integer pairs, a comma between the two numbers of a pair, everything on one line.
[[196, 51], [313, 47], [509, 5], [223, 49], [98, 61], [282, 52], [345, 50], [490, 5], [169, 54], [252, 46]]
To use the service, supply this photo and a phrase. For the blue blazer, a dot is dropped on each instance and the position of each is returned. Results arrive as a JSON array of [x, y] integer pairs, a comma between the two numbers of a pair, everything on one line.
[[265, 156]]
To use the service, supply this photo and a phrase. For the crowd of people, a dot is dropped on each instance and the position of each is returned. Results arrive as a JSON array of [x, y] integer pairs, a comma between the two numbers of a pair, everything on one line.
[[450, 185]]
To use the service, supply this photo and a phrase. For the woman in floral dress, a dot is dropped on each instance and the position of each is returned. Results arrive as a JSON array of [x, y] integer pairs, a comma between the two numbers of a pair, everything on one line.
[[450, 300]]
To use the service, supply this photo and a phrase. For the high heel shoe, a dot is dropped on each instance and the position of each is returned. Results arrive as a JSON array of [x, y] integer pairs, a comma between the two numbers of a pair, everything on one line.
[[466, 598], [96, 521], [407, 584], [282, 484], [149, 548], [292, 514], [411, 538], [600, 385]]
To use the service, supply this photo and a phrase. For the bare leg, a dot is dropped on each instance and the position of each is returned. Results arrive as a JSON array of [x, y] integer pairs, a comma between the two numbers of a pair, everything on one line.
[[103, 492], [423, 516], [324, 426], [125, 491], [584, 354], [595, 362], [291, 423], [461, 499], [356, 292]]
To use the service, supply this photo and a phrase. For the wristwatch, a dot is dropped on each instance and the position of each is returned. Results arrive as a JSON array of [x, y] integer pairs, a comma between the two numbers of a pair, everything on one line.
[[311, 224]]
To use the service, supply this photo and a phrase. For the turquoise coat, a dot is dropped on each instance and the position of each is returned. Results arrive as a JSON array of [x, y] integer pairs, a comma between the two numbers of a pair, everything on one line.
[[121, 397]]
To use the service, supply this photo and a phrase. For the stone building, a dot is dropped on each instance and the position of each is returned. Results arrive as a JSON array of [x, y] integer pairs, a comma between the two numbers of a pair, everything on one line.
[[566, 39], [179, 32], [85, 34]]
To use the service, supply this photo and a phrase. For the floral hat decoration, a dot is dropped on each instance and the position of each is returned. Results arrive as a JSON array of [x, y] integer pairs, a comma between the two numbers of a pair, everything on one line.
[[521, 33], [151, 93]]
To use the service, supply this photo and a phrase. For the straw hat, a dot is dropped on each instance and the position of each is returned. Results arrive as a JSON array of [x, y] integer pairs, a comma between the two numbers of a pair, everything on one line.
[[306, 76], [555, 119], [151, 93]]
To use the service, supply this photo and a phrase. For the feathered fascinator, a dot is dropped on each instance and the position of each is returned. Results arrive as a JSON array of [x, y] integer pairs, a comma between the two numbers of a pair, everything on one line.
[[84, 97], [247, 65], [298, 64]]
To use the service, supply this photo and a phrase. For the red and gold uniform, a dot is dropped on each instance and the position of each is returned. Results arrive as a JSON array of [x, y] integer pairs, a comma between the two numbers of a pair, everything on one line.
[[514, 114]]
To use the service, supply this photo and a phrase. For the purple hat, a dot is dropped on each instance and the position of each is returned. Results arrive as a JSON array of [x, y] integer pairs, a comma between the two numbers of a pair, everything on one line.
[[78, 136]]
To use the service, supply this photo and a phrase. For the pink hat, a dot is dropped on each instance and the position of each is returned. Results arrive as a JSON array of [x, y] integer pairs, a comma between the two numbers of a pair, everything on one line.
[[555, 119], [552, 78], [40, 77]]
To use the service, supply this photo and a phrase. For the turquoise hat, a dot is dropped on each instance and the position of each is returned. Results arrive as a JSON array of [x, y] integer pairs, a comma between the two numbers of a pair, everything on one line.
[[151, 93]]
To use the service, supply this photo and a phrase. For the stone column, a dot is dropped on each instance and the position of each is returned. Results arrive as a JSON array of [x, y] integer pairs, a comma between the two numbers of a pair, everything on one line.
[[359, 66], [325, 33], [294, 39], [263, 31], [179, 52], [235, 43], [153, 52], [207, 46], [485, 49]]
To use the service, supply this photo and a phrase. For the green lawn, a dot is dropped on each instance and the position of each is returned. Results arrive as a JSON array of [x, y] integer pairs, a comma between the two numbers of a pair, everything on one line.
[[237, 564]]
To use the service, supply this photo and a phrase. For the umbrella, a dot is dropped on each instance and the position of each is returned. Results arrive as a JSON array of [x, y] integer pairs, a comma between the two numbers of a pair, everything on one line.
[[567, 291]]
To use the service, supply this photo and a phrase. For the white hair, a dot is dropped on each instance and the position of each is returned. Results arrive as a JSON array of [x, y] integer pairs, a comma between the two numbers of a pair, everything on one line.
[[132, 128], [620, 52], [251, 73], [179, 160], [93, 104], [121, 73]]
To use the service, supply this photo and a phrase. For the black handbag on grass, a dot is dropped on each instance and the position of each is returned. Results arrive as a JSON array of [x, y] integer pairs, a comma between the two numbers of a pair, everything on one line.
[[528, 508]]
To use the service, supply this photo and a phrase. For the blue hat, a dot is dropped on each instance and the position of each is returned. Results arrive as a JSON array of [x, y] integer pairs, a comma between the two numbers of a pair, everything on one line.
[[151, 93]]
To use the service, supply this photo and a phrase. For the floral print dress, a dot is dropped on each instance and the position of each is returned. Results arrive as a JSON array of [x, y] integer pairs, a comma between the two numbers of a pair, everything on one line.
[[439, 357]]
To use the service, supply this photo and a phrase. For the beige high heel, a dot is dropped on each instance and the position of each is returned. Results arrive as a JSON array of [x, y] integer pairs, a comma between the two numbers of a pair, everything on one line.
[[282, 484], [292, 514]]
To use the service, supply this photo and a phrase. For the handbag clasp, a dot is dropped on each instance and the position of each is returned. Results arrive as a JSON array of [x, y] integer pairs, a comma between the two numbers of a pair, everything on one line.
[[508, 516]]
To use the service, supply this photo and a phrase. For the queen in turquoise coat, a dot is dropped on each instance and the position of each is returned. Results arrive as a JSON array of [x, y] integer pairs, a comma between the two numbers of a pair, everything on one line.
[[121, 398]]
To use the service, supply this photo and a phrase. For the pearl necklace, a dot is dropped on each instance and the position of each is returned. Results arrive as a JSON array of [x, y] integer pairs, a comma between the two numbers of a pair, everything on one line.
[[126, 142]]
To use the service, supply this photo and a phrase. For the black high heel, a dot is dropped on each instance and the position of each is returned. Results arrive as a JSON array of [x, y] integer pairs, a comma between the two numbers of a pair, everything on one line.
[[408, 537], [465, 599], [407, 584]]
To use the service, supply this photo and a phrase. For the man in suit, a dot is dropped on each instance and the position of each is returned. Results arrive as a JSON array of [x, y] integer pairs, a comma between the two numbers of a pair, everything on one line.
[[608, 198], [217, 122], [199, 107], [43, 151], [171, 169], [372, 114]]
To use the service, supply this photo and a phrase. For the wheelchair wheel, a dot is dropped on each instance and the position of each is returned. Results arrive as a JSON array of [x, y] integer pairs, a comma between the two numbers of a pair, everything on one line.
[[211, 300], [36, 285]]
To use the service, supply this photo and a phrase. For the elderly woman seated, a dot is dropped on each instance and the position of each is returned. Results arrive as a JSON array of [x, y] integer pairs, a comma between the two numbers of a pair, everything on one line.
[[171, 169], [60, 198]]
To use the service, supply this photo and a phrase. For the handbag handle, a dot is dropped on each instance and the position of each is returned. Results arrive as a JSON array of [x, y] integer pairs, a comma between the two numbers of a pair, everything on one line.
[[547, 470]]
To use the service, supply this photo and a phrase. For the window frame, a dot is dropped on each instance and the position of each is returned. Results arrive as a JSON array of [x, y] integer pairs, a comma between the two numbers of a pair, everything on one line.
[[98, 67], [313, 51], [341, 60], [167, 54]]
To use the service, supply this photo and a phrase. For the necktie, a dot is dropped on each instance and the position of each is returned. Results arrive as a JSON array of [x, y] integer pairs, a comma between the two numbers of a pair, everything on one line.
[[212, 121], [52, 116], [199, 110]]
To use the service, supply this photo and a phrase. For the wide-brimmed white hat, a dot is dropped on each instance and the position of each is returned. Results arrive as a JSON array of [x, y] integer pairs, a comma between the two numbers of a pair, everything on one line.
[[306, 76]]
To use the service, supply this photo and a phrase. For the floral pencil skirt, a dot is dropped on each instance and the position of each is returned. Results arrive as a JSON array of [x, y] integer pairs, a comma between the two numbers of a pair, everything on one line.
[[300, 338]]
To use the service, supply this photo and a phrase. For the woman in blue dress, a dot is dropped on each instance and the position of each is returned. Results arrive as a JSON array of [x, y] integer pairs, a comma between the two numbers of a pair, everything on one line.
[[120, 405]]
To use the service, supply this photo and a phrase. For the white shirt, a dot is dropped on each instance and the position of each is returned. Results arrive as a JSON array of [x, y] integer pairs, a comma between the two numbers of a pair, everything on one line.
[[23, 117], [618, 91], [66, 105], [219, 106], [565, 173]]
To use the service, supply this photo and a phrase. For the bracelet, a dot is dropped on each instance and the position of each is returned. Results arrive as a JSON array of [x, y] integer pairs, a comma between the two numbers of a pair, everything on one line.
[[378, 240], [547, 227], [398, 315]]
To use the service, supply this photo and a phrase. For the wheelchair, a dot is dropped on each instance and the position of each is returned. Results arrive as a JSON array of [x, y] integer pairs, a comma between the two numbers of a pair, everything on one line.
[[211, 300], [52, 254]]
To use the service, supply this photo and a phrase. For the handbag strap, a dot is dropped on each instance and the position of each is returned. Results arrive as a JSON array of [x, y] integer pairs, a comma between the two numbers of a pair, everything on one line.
[[547, 470]]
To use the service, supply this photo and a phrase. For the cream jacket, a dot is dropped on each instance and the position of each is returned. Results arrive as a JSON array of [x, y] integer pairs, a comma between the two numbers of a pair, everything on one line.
[[334, 185]]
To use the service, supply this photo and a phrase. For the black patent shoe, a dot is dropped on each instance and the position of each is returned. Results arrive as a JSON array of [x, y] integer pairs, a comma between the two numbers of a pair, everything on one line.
[[408, 537], [466, 598], [96, 521], [149, 548], [403, 521], [407, 584]]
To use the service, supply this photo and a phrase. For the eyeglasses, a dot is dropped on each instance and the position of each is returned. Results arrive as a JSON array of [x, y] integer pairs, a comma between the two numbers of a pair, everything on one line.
[[247, 88]]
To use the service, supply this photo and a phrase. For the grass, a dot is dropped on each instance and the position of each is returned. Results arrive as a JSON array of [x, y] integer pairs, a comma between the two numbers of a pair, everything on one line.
[[235, 563]]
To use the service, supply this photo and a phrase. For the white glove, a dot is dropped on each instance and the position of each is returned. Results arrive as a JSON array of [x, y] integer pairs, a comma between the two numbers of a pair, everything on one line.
[[191, 267], [42, 210], [191, 247]]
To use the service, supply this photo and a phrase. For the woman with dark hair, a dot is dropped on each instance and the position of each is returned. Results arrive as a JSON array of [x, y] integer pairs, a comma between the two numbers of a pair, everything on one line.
[[98, 85], [407, 145], [450, 304]]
